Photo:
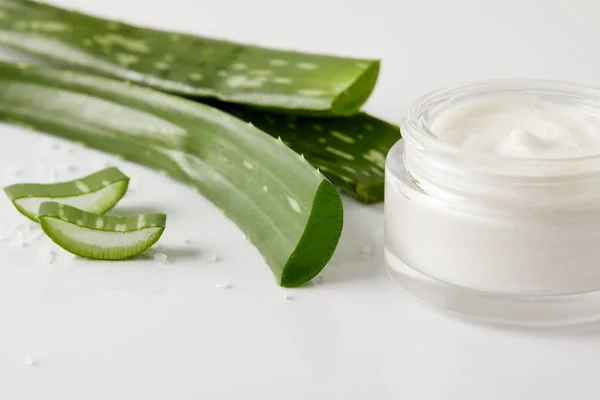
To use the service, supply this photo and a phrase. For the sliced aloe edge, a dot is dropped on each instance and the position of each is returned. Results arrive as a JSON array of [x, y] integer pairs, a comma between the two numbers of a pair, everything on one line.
[[96, 193], [285, 207], [189, 65], [350, 151], [100, 237]]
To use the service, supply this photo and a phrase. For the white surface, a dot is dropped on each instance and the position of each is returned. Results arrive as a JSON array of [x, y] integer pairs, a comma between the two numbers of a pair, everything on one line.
[[142, 330]]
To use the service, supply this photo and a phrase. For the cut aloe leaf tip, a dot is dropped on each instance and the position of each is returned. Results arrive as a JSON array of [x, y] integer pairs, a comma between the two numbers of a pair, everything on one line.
[[96, 193], [101, 237]]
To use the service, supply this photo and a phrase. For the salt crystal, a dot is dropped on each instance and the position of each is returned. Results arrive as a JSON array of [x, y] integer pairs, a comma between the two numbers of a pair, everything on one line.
[[18, 243], [46, 255], [13, 172], [222, 285], [367, 250], [30, 362], [160, 257], [286, 296], [214, 258]]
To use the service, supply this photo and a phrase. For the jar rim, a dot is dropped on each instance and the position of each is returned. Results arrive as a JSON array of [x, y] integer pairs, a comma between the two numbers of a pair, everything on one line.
[[412, 125]]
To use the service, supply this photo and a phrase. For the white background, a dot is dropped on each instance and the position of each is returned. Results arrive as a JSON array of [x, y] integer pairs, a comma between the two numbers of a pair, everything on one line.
[[145, 331]]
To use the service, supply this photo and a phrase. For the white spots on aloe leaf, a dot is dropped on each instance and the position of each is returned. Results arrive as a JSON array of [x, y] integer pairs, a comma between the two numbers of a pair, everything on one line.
[[126, 59], [248, 164], [223, 73], [82, 186], [376, 157], [260, 72], [238, 66], [87, 42], [322, 140], [294, 204], [61, 213], [163, 172], [348, 168], [3, 14], [162, 65], [307, 66], [346, 178], [141, 221], [278, 62], [99, 223], [369, 127], [112, 25], [339, 153], [134, 45], [311, 92], [265, 188], [317, 127], [42, 26], [366, 173], [196, 76], [282, 80], [344, 138], [120, 227], [376, 170], [174, 37], [361, 136], [168, 57], [242, 81], [363, 65], [79, 222], [105, 183]]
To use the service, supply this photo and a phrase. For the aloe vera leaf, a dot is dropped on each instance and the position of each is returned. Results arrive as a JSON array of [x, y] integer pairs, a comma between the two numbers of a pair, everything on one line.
[[97, 193], [350, 151], [190, 65], [287, 209], [100, 237]]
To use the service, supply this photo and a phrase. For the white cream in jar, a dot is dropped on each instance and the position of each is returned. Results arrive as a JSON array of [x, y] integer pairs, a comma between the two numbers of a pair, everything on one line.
[[494, 193]]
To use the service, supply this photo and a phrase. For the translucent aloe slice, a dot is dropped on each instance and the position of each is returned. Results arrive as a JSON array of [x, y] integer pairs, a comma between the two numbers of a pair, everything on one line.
[[190, 65], [350, 151], [96, 193], [287, 209], [101, 237]]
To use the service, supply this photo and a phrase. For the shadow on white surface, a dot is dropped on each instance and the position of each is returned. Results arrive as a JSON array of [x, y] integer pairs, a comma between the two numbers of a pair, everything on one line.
[[359, 255]]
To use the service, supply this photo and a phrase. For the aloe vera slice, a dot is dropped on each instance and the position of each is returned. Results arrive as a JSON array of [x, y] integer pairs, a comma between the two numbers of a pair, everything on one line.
[[96, 193], [189, 65], [350, 151], [287, 209], [100, 237]]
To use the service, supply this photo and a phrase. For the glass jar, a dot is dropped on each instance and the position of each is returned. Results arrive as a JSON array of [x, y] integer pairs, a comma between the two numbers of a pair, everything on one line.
[[512, 240]]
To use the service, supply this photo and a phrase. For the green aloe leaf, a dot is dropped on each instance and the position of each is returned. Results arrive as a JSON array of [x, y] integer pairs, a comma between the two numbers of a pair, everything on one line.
[[287, 209], [350, 151], [97, 193], [100, 237], [189, 65]]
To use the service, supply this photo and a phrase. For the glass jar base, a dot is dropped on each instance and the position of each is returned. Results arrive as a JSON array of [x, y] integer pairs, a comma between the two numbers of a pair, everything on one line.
[[517, 310]]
